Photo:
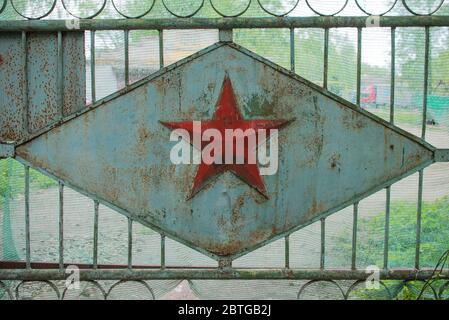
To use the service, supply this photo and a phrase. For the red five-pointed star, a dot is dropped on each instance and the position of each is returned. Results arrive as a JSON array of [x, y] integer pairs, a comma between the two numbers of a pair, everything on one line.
[[227, 116]]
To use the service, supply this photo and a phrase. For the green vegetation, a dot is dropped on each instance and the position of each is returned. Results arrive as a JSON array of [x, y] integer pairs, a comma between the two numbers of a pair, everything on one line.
[[412, 117], [434, 242], [12, 175]]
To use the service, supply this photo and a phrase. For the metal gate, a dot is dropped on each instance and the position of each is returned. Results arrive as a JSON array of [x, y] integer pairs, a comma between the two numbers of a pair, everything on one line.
[[333, 153]]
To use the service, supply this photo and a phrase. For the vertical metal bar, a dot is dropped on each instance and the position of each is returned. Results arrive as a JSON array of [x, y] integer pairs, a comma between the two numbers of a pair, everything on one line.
[[224, 263], [287, 252], [61, 226], [60, 77], [393, 72], [126, 57], [354, 235], [95, 255], [326, 57], [26, 129], [426, 80], [162, 251], [130, 243], [359, 64], [92, 65], [423, 135], [25, 116], [387, 226], [418, 219], [27, 218], [161, 48], [292, 49], [392, 107], [323, 242], [225, 35]]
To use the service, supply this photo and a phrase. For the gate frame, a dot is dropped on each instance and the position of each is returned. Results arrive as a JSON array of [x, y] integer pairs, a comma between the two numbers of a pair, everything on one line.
[[28, 271]]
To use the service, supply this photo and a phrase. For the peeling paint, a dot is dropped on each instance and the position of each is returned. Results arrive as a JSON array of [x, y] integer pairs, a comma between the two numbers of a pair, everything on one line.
[[29, 83], [119, 152]]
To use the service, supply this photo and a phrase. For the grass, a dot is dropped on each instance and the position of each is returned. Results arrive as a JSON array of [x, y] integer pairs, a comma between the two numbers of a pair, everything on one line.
[[402, 245], [12, 177], [402, 116]]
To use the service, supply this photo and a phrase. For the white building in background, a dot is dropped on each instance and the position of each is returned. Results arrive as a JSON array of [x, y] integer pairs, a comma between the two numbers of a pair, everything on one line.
[[143, 57]]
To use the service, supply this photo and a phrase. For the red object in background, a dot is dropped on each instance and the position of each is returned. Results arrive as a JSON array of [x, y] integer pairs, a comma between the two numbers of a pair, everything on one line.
[[371, 95]]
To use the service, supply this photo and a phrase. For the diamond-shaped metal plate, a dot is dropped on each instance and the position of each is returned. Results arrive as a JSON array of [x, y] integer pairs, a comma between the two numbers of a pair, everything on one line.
[[331, 155]]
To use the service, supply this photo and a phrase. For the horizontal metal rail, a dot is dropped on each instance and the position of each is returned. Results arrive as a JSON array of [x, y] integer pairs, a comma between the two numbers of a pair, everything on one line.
[[196, 9], [223, 23], [214, 273]]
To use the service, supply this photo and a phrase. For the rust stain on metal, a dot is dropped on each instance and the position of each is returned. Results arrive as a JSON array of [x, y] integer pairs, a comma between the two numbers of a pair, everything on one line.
[[334, 162], [42, 79], [37, 72], [236, 208], [315, 208], [354, 121], [234, 244], [74, 72], [314, 142], [11, 87]]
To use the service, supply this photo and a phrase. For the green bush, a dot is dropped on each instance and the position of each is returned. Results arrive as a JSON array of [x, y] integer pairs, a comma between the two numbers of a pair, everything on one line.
[[403, 222], [12, 179]]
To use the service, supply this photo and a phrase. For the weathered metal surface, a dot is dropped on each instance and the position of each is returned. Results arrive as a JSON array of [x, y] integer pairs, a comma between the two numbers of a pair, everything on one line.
[[442, 155], [224, 23], [211, 274], [332, 154], [12, 82], [42, 56], [74, 72], [6, 150], [29, 81]]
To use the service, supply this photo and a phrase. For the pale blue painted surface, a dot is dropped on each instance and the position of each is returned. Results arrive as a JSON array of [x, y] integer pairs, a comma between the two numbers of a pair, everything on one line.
[[331, 155], [28, 81]]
